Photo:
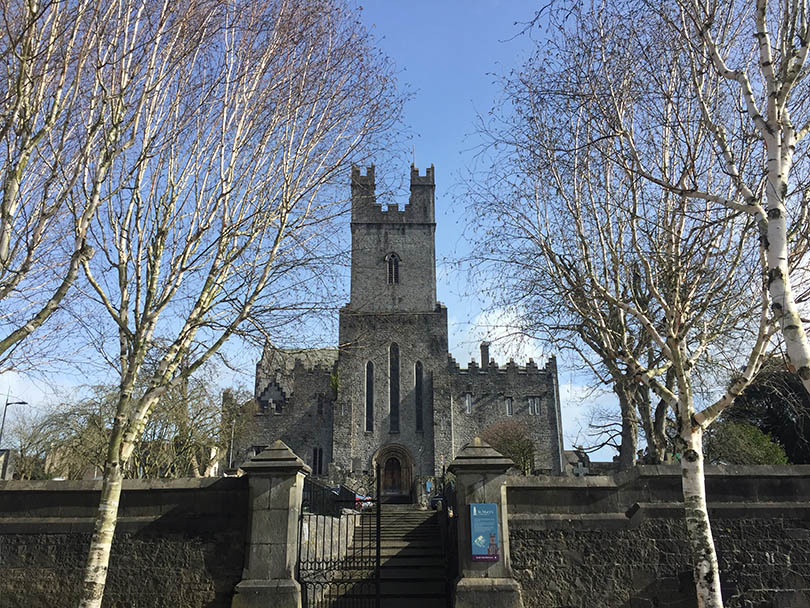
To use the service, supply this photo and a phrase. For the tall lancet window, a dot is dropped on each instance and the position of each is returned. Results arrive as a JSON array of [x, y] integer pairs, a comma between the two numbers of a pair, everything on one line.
[[418, 391], [393, 268], [393, 379], [369, 396]]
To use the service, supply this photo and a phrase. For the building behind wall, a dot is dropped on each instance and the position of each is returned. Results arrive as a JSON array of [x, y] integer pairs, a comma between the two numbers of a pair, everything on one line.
[[391, 393]]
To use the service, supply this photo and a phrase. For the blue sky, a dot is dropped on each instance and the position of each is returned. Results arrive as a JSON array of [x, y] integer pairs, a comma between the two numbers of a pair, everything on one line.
[[449, 55]]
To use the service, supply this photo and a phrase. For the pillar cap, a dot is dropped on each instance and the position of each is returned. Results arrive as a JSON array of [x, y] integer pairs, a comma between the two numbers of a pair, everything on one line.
[[278, 458], [478, 455]]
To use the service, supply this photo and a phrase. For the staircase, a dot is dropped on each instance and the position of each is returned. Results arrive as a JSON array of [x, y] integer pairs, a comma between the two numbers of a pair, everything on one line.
[[412, 562]]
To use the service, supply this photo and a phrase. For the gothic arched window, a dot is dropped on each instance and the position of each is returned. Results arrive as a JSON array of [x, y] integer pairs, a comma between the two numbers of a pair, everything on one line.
[[418, 392], [369, 396], [393, 386], [393, 268]]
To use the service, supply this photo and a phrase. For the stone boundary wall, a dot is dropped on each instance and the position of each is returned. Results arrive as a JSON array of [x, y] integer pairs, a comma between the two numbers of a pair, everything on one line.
[[179, 543], [620, 540]]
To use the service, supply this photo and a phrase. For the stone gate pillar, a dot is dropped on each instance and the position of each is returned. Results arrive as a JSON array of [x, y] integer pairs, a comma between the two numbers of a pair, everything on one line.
[[481, 480], [276, 482]]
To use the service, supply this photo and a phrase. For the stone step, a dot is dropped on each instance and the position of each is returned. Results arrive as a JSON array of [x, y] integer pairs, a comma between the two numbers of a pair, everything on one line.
[[371, 525], [431, 528], [370, 521], [398, 531], [410, 588], [388, 549], [396, 538], [367, 543], [416, 573], [399, 528], [396, 601], [405, 561], [398, 525], [411, 515], [400, 551], [393, 541], [398, 534]]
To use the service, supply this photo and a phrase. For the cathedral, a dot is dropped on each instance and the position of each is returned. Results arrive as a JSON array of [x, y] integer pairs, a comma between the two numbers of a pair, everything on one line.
[[391, 395]]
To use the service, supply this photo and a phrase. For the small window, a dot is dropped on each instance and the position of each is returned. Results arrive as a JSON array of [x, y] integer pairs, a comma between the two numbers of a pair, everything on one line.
[[508, 402], [534, 406], [320, 404], [276, 406], [468, 403], [393, 268], [318, 467]]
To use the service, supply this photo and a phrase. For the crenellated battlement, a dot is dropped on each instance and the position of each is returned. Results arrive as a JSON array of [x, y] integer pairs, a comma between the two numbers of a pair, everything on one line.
[[490, 366], [363, 187], [419, 210], [423, 180]]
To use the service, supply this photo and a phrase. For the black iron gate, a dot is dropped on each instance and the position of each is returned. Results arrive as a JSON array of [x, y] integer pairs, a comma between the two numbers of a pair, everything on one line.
[[448, 522], [339, 547]]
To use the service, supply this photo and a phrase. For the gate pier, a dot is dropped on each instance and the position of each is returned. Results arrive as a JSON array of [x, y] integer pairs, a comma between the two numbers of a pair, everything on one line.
[[486, 577], [276, 481]]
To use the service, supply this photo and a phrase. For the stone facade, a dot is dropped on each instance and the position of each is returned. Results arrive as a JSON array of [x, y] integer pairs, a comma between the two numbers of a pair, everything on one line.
[[391, 394], [295, 395]]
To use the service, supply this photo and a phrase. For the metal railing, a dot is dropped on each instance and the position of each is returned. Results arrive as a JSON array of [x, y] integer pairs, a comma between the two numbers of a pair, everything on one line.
[[324, 500], [448, 523]]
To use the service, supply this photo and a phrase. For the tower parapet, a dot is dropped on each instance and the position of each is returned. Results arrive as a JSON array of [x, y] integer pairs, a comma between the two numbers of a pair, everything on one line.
[[364, 193], [419, 210]]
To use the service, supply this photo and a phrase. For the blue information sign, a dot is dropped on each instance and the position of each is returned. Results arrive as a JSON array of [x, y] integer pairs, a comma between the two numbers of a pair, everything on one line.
[[484, 531]]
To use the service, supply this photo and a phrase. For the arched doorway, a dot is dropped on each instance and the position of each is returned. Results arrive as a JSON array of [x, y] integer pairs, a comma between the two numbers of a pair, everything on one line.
[[392, 476], [396, 472]]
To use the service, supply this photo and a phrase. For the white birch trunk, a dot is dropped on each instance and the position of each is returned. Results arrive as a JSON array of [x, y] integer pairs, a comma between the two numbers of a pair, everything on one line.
[[783, 302], [95, 574], [704, 558]]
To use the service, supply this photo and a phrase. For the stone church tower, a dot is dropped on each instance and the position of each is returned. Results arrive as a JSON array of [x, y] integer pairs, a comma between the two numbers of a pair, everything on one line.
[[393, 335], [391, 394]]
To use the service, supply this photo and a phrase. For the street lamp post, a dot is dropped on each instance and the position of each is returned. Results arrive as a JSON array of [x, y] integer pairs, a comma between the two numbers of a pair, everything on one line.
[[5, 409]]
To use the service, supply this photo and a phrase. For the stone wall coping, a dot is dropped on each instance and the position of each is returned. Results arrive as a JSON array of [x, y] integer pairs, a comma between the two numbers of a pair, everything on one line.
[[655, 471], [641, 511], [74, 525], [129, 485]]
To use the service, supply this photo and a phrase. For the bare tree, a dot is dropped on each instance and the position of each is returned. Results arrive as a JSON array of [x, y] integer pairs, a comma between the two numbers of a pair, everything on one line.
[[512, 439], [658, 281], [541, 177], [215, 218], [745, 66], [187, 435], [29, 449], [77, 80]]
